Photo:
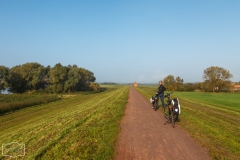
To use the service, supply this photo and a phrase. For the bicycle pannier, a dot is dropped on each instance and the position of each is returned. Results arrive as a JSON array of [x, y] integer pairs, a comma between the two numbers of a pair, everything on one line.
[[152, 100], [176, 106]]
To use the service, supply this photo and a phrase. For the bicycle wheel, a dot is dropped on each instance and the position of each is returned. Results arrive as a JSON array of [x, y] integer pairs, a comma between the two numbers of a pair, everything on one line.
[[172, 118], [175, 117], [165, 115], [155, 105]]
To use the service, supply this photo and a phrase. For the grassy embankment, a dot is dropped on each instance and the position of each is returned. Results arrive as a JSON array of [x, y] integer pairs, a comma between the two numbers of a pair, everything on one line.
[[84, 126], [213, 119], [12, 102]]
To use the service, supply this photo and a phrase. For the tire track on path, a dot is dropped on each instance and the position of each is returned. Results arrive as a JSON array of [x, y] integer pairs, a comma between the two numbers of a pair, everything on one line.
[[143, 135]]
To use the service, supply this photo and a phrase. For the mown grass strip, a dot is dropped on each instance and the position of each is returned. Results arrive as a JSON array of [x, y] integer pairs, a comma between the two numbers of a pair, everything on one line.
[[50, 130], [213, 124], [212, 130], [12, 102], [96, 137]]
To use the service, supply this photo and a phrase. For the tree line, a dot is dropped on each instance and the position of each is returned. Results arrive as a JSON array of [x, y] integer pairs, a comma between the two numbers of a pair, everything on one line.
[[215, 79], [57, 79]]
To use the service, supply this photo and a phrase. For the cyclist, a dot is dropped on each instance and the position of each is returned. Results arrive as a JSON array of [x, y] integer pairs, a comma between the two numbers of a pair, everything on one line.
[[160, 93]]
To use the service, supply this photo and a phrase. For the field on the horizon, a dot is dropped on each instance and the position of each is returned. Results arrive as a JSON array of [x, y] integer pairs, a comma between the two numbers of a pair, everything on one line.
[[213, 119], [82, 126]]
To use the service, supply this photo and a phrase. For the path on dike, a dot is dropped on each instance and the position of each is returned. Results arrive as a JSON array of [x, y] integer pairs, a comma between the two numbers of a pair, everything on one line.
[[144, 137]]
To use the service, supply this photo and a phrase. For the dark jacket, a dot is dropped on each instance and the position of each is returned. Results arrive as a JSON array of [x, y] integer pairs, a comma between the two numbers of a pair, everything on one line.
[[161, 89]]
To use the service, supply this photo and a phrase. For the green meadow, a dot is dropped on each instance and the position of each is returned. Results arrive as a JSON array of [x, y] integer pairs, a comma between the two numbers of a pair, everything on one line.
[[81, 126], [229, 101], [213, 119]]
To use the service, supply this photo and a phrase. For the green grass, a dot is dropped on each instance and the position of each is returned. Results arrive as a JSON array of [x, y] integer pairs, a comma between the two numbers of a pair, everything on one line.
[[84, 126], [12, 102], [213, 119], [229, 101]]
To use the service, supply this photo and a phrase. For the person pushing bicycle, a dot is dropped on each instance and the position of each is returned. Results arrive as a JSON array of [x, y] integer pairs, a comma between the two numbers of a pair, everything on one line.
[[160, 94]]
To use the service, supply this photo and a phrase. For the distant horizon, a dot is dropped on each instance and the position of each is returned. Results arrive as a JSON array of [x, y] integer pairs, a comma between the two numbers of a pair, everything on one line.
[[154, 82], [121, 82]]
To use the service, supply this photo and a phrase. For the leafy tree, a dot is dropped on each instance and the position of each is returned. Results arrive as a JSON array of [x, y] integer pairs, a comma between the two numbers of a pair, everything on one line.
[[3, 75], [33, 73], [169, 82], [29, 75], [15, 80], [178, 84], [94, 86], [199, 86], [45, 78], [74, 77], [216, 78], [206, 86], [87, 77], [189, 87], [57, 78]]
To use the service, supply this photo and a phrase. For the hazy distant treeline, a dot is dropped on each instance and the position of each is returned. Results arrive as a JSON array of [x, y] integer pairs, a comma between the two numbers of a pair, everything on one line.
[[57, 79]]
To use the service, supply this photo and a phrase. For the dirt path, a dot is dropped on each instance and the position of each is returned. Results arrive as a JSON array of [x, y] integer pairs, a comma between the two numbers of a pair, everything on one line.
[[143, 135]]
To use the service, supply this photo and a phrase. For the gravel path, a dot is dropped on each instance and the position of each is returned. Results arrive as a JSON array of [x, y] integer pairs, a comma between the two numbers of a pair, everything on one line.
[[144, 137]]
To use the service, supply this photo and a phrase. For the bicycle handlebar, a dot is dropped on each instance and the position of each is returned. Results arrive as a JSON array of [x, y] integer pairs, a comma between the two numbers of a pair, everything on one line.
[[168, 94]]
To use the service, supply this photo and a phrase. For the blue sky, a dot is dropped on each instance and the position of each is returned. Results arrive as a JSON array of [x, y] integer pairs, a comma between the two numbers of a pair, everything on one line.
[[124, 41]]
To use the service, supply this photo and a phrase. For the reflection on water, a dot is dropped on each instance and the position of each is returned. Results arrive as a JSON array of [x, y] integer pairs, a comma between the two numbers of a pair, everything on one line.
[[5, 91]]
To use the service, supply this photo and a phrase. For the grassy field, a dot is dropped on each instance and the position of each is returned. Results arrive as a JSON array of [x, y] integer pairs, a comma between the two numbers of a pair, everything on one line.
[[213, 119], [12, 102], [84, 126]]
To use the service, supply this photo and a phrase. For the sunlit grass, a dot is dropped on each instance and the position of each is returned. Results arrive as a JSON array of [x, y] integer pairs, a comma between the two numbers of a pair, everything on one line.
[[78, 127], [224, 100], [12, 102], [213, 119]]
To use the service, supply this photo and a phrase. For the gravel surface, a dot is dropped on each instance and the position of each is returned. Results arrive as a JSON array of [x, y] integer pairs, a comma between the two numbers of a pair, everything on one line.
[[143, 135]]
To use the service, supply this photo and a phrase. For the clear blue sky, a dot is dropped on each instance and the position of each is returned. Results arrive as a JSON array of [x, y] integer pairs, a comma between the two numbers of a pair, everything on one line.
[[124, 41]]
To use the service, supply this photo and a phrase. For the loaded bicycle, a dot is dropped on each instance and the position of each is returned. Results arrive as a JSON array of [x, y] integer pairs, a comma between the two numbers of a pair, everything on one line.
[[173, 106], [154, 100]]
